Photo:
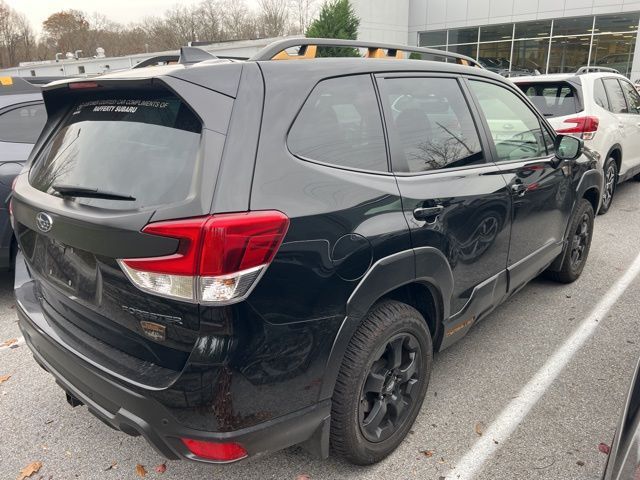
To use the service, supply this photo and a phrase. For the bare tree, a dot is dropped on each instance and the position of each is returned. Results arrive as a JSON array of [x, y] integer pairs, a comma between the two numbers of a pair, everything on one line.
[[303, 12], [210, 20], [274, 17]]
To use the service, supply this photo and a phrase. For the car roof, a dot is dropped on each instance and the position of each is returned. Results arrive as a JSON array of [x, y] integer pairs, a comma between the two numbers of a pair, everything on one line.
[[558, 77], [224, 75]]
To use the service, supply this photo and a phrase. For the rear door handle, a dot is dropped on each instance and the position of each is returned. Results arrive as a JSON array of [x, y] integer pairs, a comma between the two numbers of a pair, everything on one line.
[[428, 213]]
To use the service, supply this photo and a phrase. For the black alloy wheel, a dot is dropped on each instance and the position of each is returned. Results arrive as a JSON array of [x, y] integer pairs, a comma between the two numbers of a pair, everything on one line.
[[391, 387]]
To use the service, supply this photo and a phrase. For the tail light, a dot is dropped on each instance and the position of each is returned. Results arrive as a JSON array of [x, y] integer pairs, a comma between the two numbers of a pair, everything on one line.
[[584, 127], [219, 257], [219, 452]]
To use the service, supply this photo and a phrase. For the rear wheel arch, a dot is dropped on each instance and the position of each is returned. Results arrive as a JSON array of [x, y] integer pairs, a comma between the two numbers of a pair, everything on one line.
[[419, 277], [426, 299], [593, 196], [615, 152]]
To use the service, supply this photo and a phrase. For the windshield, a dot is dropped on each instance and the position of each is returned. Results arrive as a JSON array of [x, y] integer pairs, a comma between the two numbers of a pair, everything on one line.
[[553, 99], [140, 144]]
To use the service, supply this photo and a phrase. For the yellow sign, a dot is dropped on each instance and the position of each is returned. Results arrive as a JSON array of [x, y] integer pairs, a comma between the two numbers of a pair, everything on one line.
[[6, 81]]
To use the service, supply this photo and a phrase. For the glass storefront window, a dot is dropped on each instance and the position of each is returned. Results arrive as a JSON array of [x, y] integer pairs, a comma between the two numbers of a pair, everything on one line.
[[535, 29], [463, 35], [573, 26], [431, 39], [470, 50], [613, 36], [530, 56], [627, 22], [568, 54], [614, 51], [496, 32], [495, 56]]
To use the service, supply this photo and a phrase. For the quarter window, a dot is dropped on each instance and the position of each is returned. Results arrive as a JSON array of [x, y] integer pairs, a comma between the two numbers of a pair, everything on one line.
[[340, 124], [599, 95], [617, 103], [22, 124], [433, 125], [633, 99], [515, 129]]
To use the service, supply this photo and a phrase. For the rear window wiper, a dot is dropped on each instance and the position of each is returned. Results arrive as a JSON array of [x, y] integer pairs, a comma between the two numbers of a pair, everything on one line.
[[89, 192]]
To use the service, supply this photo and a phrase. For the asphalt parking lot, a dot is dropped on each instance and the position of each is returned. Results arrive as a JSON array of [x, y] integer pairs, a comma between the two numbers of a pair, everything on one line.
[[472, 383]]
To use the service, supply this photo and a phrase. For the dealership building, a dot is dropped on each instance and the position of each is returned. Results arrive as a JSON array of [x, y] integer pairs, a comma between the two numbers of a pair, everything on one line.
[[517, 36]]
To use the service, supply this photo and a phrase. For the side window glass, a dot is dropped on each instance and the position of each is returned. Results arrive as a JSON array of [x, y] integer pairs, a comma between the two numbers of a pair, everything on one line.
[[340, 124], [433, 125], [599, 95], [515, 129], [22, 124], [633, 99], [617, 103]]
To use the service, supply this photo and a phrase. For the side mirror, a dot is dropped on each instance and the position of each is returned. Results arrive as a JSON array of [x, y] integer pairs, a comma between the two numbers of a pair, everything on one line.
[[568, 148]]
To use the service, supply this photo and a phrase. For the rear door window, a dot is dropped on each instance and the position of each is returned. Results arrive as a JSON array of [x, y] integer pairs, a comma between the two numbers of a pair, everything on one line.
[[552, 99], [22, 124], [340, 124], [432, 124], [139, 144], [633, 99], [617, 103]]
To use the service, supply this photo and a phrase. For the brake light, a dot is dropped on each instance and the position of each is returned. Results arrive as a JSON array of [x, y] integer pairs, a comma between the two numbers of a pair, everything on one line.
[[584, 127], [81, 85], [220, 452], [219, 257]]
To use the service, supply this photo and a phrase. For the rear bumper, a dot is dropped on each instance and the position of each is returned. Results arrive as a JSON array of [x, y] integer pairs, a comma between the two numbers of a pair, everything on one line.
[[132, 412]]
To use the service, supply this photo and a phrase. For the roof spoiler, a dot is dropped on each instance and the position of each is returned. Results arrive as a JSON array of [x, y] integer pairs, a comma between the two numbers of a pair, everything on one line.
[[308, 48], [191, 55]]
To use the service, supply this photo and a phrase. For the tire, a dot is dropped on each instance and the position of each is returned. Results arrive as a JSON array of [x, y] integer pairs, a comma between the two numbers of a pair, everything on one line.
[[364, 387], [637, 177], [610, 182], [577, 246]]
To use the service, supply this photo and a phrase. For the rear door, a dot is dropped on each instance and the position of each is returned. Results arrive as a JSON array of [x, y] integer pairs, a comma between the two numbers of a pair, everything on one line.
[[632, 122], [454, 198], [627, 124], [119, 158], [541, 187]]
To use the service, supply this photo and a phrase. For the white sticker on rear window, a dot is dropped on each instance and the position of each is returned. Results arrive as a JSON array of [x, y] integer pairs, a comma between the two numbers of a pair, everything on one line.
[[120, 105]]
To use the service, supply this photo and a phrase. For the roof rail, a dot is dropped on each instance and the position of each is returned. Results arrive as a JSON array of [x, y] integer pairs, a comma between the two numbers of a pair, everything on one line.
[[309, 49], [594, 69]]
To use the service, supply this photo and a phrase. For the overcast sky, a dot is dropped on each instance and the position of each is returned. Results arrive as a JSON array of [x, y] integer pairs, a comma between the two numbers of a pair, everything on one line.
[[122, 11]]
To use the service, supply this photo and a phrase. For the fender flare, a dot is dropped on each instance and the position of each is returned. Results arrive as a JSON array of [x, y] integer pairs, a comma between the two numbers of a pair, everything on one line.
[[591, 179], [615, 146], [425, 265]]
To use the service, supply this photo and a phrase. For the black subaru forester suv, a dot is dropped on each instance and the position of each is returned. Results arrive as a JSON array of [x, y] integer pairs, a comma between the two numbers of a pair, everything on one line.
[[230, 258]]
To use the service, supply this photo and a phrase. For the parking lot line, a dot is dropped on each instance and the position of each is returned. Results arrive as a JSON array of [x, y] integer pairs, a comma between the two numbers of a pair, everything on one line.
[[515, 412]]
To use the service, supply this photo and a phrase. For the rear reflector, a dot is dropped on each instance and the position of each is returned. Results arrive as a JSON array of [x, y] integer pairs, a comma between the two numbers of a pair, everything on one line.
[[219, 258], [220, 452], [585, 127]]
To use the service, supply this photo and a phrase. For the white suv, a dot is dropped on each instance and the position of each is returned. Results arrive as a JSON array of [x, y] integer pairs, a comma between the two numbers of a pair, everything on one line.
[[602, 108]]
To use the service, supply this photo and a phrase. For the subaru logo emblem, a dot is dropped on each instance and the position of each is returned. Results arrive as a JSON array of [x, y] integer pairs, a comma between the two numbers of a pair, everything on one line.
[[44, 221]]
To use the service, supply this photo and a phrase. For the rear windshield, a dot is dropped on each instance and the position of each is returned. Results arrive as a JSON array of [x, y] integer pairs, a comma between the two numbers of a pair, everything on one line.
[[142, 145], [553, 99]]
